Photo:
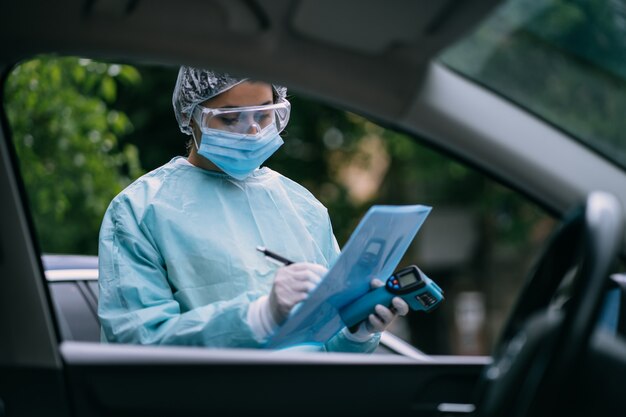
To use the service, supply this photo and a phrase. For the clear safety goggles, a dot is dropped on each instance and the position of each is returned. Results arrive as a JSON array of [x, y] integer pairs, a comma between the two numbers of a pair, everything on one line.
[[244, 120]]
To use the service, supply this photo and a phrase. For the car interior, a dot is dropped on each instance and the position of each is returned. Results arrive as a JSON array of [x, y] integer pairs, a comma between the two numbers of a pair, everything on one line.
[[556, 343]]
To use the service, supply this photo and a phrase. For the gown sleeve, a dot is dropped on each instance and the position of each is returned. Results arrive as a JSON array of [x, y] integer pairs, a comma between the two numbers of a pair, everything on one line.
[[136, 302]]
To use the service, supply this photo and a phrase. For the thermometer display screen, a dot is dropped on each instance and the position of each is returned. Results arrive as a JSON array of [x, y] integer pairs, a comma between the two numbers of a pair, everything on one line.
[[408, 279]]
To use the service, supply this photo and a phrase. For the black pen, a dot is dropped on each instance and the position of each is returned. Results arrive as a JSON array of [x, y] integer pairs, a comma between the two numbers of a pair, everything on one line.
[[274, 256]]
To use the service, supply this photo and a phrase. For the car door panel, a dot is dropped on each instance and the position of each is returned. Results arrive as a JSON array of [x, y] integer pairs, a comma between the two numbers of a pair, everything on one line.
[[33, 391], [131, 380]]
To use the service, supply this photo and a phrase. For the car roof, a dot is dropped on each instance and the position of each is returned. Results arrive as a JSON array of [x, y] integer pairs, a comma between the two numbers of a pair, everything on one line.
[[64, 262], [68, 268]]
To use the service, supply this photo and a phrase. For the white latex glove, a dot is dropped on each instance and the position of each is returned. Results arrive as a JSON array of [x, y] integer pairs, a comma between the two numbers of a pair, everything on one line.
[[383, 316], [380, 319], [292, 285]]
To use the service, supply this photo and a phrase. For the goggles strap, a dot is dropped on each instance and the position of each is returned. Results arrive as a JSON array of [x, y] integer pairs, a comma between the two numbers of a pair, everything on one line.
[[193, 136]]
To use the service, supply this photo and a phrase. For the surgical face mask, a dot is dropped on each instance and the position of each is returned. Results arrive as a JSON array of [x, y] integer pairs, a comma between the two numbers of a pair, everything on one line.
[[239, 139], [239, 154]]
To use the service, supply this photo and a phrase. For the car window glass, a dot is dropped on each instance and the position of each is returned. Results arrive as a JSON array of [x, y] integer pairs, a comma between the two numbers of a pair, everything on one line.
[[83, 130], [562, 60]]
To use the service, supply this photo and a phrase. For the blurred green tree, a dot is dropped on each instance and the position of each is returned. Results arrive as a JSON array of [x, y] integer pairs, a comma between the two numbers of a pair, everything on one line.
[[66, 132]]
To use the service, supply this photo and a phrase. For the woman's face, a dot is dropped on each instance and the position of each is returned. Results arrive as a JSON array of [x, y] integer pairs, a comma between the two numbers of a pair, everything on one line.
[[245, 94]]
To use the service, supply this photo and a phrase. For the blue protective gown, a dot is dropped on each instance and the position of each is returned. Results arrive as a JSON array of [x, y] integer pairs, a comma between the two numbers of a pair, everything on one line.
[[178, 259]]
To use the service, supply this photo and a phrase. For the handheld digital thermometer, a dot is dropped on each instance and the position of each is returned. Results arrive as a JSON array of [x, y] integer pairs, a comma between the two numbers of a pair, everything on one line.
[[411, 284]]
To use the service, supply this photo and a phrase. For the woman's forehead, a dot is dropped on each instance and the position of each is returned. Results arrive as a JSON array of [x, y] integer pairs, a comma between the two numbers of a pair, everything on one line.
[[246, 93]]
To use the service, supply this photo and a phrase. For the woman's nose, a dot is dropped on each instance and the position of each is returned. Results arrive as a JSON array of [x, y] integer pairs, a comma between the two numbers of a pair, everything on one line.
[[254, 129]]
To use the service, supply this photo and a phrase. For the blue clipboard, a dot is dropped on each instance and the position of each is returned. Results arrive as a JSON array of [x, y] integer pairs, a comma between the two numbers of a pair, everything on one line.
[[373, 251]]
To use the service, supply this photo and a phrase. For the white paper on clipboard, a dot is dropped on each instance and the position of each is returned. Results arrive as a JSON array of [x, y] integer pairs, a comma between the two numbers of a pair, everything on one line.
[[373, 251]]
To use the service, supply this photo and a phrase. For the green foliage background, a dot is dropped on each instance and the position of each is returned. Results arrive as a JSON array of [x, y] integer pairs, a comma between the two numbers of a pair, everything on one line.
[[67, 135]]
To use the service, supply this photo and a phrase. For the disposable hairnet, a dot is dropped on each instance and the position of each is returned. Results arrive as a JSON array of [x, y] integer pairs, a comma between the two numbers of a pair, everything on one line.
[[196, 85]]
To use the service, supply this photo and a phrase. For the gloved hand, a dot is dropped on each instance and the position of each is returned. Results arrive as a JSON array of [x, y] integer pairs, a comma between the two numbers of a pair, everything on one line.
[[292, 284], [384, 316]]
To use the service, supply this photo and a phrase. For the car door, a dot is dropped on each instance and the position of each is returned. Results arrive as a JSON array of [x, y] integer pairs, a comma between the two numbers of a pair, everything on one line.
[[339, 57], [80, 378]]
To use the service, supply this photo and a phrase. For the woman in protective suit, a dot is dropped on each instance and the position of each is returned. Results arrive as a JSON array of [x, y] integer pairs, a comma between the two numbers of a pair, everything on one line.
[[177, 254]]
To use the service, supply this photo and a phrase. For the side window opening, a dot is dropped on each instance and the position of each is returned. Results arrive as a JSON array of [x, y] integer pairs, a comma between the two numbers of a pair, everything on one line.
[[85, 129]]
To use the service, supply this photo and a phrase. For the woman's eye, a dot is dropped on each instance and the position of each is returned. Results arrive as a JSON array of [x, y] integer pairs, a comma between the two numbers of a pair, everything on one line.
[[229, 120], [263, 117]]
